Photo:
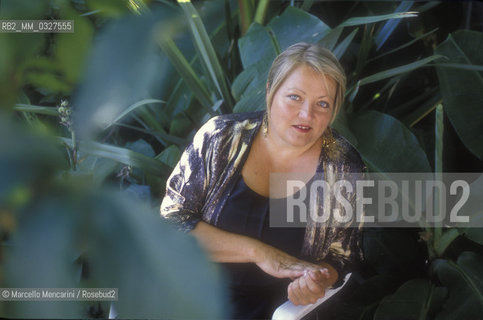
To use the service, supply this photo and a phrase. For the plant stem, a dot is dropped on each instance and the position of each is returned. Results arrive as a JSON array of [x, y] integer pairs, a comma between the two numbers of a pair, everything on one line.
[[246, 14], [261, 12], [74, 151], [438, 168]]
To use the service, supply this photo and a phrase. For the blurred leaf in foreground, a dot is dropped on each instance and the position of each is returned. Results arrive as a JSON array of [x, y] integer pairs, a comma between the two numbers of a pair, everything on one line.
[[64, 230], [120, 69]]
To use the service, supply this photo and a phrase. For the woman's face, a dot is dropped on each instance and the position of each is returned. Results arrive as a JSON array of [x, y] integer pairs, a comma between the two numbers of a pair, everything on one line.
[[302, 108]]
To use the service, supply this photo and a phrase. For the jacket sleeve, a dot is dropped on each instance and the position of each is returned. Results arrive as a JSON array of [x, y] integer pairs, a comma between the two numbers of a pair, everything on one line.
[[345, 250], [342, 240], [186, 188]]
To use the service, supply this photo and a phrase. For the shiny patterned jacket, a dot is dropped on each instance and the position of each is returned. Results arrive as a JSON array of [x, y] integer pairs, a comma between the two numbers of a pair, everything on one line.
[[208, 169]]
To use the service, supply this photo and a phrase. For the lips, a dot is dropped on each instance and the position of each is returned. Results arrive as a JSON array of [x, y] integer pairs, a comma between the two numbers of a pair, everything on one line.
[[302, 128]]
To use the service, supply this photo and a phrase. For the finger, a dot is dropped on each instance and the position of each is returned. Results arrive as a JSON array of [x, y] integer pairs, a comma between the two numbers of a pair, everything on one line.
[[309, 290], [293, 274], [319, 275], [296, 292], [325, 272], [315, 275], [291, 294], [317, 288]]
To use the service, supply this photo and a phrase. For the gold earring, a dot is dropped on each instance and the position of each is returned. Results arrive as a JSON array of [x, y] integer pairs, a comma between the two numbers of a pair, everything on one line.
[[265, 125], [327, 138]]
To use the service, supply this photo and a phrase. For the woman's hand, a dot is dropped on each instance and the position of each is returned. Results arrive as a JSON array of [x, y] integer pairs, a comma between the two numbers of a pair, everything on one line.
[[280, 264], [309, 288]]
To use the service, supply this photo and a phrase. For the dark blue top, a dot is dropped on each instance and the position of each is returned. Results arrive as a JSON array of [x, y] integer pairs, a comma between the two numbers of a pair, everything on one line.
[[255, 294]]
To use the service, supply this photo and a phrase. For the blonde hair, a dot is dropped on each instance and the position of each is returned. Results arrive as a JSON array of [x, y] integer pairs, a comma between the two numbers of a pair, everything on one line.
[[315, 56]]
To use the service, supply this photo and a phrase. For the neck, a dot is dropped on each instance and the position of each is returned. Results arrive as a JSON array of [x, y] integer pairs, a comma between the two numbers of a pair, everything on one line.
[[286, 153]]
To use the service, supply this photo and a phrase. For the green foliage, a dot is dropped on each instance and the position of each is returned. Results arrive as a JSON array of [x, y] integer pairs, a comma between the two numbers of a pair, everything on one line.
[[385, 144], [464, 280], [207, 53], [413, 300], [461, 88], [63, 227], [66, 233], [393, 252], [120, 70], [122, 155], [158, 271]]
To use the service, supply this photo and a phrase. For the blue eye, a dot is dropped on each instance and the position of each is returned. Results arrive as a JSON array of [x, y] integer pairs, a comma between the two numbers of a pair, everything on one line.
[[294, 97], [323, 104]]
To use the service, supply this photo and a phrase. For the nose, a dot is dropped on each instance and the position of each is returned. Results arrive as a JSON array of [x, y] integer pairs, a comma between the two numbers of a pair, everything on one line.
[[305, 111]]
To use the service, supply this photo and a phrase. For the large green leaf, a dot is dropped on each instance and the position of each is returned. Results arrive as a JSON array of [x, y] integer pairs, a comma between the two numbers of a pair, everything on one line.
[[411, 301], [148, 119], [160, 273], [253, 77], [391, 25], [120, 70], [399, 70], [108, 8], [170, 155], [18, 148], [18, 48], [253, 100], [372, 19], [363, 300], [249, 87], [385, 144], [50, 111], [71, 49], [207, 52], [471, 67], [132, 108], [417, 108], [444, 239], [245, 81], [330, 39], [98, 168], [184, 68], [161, 136], [256, 44], [464, 280], [41, 255], [463, 89], [180, 126], [407, 44], [122, 155], [344, 44], [393, 252], [296, 25], [142, 147], [475, 234]]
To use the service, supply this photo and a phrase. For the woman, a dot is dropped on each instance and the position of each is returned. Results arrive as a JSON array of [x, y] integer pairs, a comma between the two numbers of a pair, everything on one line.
[[219, 191]]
